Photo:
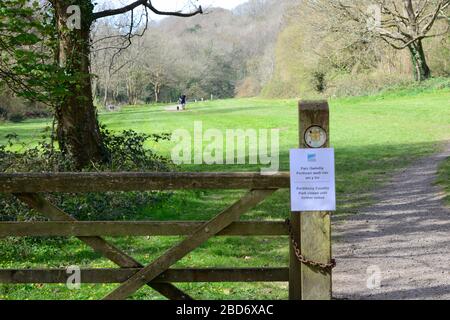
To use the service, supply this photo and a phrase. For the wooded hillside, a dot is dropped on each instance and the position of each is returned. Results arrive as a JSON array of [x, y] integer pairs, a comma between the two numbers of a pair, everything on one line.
[[274, 48]]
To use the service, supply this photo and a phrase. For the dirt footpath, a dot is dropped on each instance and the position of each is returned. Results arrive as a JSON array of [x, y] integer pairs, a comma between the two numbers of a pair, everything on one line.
[[399, 248]]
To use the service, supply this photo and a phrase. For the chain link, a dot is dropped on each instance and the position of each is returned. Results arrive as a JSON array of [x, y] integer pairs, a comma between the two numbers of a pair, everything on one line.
[[325, 267]]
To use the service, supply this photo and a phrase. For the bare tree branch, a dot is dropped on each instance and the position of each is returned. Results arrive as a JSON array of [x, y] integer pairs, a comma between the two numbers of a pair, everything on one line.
[[148, 4]]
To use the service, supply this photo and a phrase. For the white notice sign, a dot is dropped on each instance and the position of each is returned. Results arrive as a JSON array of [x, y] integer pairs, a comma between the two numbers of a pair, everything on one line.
[[312, 180]]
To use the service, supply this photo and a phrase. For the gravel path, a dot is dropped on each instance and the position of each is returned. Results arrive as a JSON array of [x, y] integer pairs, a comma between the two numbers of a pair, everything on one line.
[[398, 248]]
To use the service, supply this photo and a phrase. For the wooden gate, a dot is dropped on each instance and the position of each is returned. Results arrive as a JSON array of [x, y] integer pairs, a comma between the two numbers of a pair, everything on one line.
[[305, 281], [30, 188]]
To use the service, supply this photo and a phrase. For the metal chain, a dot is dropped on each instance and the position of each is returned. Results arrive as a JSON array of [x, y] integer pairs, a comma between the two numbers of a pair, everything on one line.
[[327, 267]]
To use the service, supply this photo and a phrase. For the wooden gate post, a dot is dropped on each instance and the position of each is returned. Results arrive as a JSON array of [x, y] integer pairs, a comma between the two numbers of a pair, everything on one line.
[[295, 267], [314, 227]]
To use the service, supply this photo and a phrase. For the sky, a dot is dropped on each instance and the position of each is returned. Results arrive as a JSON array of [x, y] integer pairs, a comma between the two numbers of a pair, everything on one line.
[[173, 4]]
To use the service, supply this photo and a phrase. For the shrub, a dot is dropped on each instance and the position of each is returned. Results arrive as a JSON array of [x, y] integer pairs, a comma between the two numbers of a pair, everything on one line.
[[319, 81], [38, 113], [364, 84], [3, 113], [17, 109], [249, 87], [128, 153], [16, 117]]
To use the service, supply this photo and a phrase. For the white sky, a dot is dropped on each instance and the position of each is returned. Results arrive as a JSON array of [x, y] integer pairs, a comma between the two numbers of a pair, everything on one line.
[[174, 4]]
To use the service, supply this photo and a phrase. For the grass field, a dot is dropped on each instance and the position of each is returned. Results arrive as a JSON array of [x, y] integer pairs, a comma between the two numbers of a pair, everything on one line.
[[373, 137]]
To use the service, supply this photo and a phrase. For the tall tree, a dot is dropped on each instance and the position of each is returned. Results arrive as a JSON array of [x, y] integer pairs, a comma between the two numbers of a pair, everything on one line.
[[78, 127], [403, 24], [78, 130]]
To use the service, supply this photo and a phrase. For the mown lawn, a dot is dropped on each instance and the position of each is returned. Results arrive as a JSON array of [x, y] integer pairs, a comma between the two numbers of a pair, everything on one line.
[[373, 137]]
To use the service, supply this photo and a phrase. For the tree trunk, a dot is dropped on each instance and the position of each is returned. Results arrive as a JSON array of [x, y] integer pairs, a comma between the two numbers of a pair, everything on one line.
[[157, 93], [78, 127], [421, 69], [105, 94]]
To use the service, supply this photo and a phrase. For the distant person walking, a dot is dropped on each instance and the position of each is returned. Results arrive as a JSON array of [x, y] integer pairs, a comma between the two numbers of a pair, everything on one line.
[[182, 103]]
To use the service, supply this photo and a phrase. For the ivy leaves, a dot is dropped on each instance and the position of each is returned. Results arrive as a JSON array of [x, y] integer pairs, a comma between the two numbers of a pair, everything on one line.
[[28, 47]]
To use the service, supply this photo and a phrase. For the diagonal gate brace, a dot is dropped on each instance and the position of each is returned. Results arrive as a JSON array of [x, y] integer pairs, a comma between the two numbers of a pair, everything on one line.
[[100, 245], [200, 236]]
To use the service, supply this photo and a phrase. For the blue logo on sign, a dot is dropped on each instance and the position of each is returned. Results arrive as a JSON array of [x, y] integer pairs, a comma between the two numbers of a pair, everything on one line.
[[312, 157]]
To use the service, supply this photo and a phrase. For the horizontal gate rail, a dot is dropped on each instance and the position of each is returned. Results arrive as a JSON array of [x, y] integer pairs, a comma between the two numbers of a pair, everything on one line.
[[150, 228], [224, 219], [98, 244], [97, 276], [103, 182]]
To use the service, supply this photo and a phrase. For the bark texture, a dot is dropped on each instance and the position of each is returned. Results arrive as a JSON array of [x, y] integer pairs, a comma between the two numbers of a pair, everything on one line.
[[78, 128]]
